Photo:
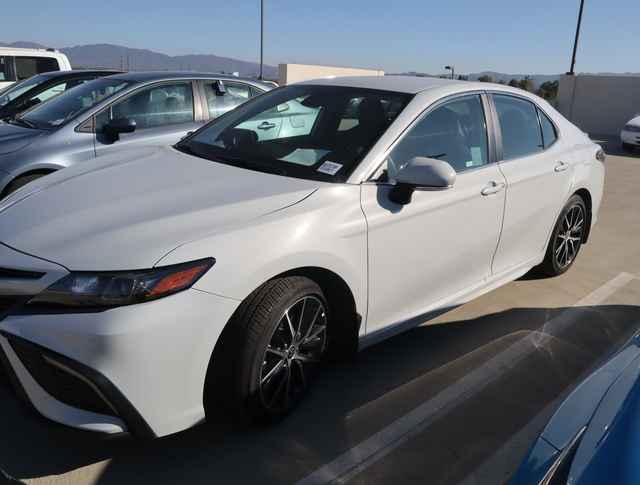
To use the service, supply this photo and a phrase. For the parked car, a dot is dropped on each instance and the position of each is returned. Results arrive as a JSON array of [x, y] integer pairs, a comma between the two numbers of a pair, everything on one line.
[[591, 438], [630, 134], [19, 64], [162, 285], [110, 114], [26, 94]]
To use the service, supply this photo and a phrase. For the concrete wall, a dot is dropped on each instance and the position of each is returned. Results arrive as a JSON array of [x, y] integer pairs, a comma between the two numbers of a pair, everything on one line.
[[599, 104], [293, 73]]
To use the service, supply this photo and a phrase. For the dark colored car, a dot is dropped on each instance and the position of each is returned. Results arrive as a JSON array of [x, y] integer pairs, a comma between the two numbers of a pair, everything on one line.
[[594, 437], [37, 89]]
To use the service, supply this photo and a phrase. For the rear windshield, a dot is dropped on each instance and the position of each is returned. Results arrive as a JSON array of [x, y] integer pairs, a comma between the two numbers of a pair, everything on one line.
[[305, 131], [74, 102]]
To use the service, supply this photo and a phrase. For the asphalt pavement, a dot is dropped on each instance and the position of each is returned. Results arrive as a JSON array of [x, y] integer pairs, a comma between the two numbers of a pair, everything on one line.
[[458, 401]]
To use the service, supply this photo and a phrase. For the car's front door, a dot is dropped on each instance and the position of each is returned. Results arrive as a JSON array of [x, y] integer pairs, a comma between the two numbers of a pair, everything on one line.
[[423, 254], [163, 114], [538, 171]]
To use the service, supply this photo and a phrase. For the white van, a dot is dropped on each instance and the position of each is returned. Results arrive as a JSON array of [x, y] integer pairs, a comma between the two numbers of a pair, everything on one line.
[[18, 64]]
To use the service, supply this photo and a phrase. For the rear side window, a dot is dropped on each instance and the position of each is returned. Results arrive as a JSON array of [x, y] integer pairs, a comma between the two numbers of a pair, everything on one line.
[[5, 72], [30, 66], [549, 135], [219, 103], [521, 135]]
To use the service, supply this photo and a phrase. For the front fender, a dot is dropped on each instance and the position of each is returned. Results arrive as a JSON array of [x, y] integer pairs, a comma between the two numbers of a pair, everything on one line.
[[326, 230]]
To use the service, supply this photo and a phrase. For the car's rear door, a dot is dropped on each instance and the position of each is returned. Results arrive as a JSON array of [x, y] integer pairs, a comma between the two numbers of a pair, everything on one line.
[[440, 245], [164, 112], [538, 168]]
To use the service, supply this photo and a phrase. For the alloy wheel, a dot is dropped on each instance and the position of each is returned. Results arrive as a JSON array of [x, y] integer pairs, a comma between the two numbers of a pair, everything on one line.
[[297, 345], [569, 238]]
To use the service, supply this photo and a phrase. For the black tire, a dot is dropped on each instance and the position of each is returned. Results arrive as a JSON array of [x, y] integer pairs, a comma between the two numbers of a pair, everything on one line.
[[236, 382], [627, 147], [566, 239], [19, 182]]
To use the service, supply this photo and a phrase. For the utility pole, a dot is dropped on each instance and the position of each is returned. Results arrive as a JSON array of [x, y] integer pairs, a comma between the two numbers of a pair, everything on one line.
[[575, 42], [452, 69], [261, 37]]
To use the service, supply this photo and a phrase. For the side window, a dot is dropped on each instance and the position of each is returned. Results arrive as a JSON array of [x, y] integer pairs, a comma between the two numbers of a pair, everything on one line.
[[167, 104], [549, 135], [455, 132], [30, 66], [519, 125], [5, 69], [219, 103]]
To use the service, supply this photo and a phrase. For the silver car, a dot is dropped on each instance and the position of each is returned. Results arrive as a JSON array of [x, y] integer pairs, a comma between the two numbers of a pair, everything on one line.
[[113, 113]]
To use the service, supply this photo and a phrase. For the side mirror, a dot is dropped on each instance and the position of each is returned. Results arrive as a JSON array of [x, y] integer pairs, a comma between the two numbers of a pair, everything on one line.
[[283, 107], [119, 125], [219, 88], [422, 173]]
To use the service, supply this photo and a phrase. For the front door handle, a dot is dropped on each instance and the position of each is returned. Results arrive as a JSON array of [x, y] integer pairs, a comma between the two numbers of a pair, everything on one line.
[[561, 167], [265, 125], [493, 188]]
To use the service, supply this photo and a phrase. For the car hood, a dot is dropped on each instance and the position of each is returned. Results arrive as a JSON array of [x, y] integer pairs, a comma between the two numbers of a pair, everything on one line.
[[13, 137], [127, 210]]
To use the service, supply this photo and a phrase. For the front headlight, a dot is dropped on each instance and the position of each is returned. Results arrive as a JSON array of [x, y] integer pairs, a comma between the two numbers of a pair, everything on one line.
[[117, 288], [632, 128]]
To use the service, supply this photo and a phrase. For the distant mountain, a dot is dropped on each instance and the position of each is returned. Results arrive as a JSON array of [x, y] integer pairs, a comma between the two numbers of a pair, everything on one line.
[[116, 57]]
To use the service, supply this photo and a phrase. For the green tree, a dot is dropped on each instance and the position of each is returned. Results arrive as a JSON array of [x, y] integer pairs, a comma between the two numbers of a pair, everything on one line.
[[514, 83], [527, 84], [485, 79], [548, 90]]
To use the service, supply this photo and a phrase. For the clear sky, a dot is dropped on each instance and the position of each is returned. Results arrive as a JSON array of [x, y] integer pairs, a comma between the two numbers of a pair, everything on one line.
[[512, 36]]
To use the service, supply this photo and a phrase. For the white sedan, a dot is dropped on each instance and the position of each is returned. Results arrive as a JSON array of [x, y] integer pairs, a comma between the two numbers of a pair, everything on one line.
[[146, 290], [630, 134]]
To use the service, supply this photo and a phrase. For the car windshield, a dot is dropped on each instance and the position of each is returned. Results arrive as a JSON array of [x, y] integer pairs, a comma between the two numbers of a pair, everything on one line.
[[15, 90], [70, 104], [305, 131]]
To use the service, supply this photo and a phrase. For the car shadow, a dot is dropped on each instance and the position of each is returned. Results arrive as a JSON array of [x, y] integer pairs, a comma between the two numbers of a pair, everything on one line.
[[351, 401]]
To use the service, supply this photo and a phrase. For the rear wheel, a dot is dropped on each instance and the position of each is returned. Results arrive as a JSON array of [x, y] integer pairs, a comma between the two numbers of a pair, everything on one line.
[[278, 340], [566, 239]]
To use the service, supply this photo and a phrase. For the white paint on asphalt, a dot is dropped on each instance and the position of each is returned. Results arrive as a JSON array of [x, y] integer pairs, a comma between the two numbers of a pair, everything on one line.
[[366, 453]]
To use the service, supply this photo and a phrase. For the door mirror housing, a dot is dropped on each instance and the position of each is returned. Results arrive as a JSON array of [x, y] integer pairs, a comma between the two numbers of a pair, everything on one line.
[[422, 173], [119, 125], [282, 107]]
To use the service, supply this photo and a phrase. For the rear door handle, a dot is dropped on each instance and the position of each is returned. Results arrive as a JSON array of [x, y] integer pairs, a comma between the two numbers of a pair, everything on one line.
[[561, 167], [265, 125], [493, 188]]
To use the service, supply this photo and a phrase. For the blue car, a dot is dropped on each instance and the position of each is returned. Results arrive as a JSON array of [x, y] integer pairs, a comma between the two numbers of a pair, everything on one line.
[[594, 437], [113, 113]]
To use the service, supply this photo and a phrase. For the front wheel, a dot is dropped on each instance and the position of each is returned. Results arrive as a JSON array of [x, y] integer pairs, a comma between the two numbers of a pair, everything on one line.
[[278, 341], [566, 238]]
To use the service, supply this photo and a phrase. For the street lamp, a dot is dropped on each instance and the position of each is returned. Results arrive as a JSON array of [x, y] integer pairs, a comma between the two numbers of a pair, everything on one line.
[[452, 69], [261, 37], [575, 42]]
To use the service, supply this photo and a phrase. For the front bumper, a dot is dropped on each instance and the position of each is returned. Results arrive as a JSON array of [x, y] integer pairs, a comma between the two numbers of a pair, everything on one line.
[[630, 137], [138, 368]]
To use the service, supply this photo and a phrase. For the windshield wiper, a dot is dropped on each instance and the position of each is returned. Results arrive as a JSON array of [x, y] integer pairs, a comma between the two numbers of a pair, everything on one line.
[[22, 122]]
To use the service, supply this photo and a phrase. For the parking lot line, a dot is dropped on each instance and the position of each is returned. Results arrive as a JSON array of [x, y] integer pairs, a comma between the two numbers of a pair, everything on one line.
[[366, 453]]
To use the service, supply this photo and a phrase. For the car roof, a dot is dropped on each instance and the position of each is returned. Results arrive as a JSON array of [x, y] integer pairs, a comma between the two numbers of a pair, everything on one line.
[[407, 84], [146, 76], [79, 72]]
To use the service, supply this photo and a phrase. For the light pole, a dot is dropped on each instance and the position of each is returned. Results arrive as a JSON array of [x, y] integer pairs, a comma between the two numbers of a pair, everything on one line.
[[261, 37], [575, 42], [452, 69]]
